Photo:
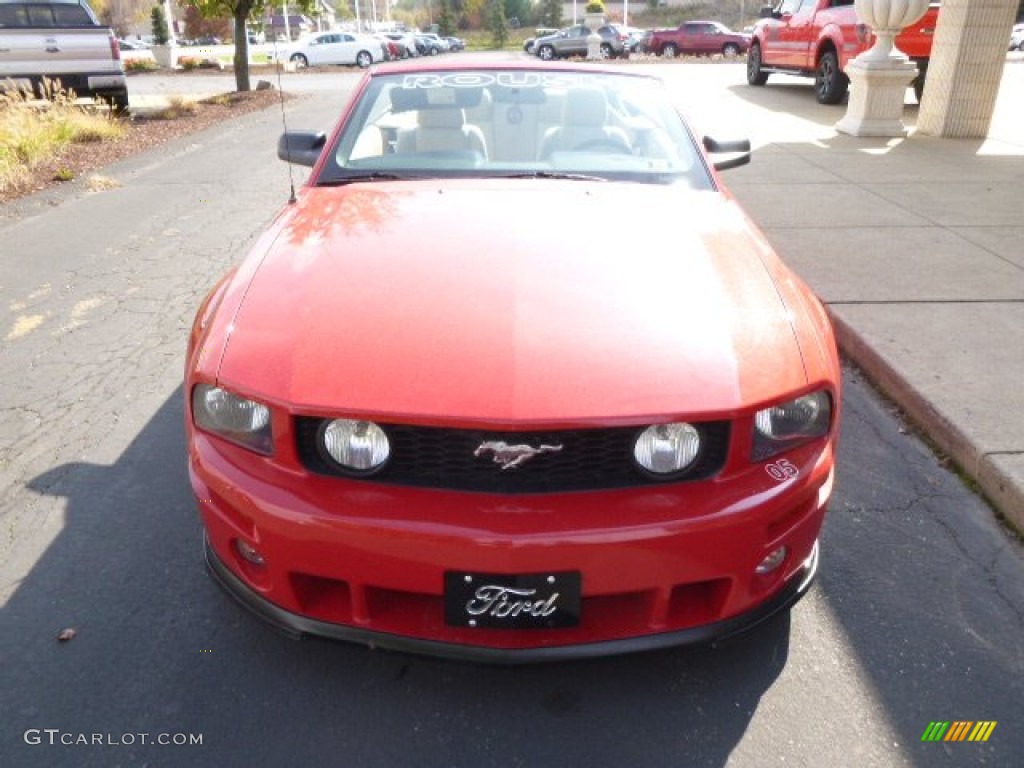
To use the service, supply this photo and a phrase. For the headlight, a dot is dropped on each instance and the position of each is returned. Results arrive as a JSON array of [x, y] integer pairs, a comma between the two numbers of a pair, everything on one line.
[[666, 449], [234, 418], [788, 424], [356, 446]]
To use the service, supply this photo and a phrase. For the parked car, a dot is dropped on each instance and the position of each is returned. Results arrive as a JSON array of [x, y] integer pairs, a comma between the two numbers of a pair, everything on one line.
[[819, 38], [539, 32], [393, 51], [455, 43], [407, 43], [1017, 38], [634, 36], [433, 44], [695, 38], [328, 48], [564, 439], [43, 44], [572, 41]]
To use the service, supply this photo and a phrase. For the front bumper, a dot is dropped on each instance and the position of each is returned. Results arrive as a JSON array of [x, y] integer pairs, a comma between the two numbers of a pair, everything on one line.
[[661, 565], [298, 626]]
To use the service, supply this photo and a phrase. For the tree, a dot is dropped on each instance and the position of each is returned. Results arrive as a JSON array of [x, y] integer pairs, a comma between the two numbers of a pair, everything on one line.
[[497, 23], [121, 15], [197, 25], [160, 33], [520, 10], [551, 13], [241, 11], [473, 11], [446, 21]]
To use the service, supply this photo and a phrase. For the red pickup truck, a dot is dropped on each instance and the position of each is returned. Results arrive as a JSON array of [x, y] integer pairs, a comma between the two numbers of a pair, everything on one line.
[[817, 38], [695, 37]]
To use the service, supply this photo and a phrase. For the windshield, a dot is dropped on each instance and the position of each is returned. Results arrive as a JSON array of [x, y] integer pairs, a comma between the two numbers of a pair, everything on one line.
[[479, 123]]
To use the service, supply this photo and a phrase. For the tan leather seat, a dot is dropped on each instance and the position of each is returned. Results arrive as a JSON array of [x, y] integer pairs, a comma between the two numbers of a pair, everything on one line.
[[442, 130], [585, 126]]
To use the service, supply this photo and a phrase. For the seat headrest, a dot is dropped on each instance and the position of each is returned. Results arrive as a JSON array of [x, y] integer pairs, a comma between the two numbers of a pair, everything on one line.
[[484, 111], [441, 118], [585, 106]]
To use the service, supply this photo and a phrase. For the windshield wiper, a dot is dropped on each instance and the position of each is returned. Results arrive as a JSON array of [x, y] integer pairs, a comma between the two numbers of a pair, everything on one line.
[[369, 176], [547, 175]]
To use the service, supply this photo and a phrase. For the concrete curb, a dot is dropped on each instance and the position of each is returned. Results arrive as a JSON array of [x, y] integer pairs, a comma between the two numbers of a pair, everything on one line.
[[1001, 491]]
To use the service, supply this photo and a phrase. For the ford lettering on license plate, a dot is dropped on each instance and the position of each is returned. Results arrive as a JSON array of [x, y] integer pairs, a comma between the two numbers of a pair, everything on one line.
[[527, 601]]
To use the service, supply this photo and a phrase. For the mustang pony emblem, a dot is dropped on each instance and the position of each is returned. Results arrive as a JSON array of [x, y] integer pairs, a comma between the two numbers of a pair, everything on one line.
[[511, 456]]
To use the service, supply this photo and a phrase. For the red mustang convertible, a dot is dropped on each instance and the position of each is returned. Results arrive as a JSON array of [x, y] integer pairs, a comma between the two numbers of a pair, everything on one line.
[[513, 379]]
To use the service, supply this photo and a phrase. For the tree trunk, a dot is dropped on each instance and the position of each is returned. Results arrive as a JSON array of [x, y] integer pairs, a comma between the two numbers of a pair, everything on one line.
[[242, 47]]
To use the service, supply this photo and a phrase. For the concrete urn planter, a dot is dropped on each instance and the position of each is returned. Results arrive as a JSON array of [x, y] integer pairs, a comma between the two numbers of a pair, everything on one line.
[[593, 22], [166, 56], [886, 18], [879, 77]]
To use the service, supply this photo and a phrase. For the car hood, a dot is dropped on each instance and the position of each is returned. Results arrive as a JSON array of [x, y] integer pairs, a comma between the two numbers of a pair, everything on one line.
[[512, 302]]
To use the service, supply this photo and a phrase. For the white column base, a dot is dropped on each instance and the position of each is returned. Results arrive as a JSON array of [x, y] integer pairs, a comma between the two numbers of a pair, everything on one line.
[[166, 56], [877, 91]]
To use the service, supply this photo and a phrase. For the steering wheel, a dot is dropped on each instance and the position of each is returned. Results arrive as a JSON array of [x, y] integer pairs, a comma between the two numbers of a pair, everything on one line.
[[607, 144]]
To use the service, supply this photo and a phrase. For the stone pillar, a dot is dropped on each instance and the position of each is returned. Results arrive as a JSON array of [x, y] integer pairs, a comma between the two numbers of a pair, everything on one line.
[[966, 66], [879, 76], [876, 98], [593, 22], [166, 56]]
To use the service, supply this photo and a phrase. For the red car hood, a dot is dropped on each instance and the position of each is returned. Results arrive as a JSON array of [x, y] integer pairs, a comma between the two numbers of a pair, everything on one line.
[[512, 302]]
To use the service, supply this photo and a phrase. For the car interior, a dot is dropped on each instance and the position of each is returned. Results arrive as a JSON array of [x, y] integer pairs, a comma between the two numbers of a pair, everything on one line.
[[523, 123]]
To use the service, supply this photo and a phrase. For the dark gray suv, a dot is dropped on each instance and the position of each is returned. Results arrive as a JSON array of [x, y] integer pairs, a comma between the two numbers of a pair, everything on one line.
[[572, 41]]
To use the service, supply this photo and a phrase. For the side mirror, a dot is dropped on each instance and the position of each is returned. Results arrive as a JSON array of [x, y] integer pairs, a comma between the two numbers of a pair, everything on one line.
[[301, 147], [740, 147]]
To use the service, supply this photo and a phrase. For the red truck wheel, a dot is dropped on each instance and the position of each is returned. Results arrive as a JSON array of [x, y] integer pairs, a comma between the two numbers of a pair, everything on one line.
[[754, 74], [830, 83], [669, 51]]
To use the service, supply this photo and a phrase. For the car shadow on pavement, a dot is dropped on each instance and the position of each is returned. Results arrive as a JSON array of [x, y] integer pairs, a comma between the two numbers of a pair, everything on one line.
[[160, 652]]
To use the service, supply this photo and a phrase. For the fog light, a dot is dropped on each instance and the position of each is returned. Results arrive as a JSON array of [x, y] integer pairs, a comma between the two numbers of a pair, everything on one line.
[[773, 561], [249, 554], [357, 446]]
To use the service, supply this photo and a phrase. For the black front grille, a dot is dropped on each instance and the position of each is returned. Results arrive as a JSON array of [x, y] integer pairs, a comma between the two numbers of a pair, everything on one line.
[[432, 457]]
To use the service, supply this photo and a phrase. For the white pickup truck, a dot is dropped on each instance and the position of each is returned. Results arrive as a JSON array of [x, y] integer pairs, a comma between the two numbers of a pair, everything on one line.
[[60, 40]]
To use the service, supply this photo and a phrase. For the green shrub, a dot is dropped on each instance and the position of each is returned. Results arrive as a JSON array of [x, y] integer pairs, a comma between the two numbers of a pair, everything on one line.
[[139, 65], [158, 21]]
